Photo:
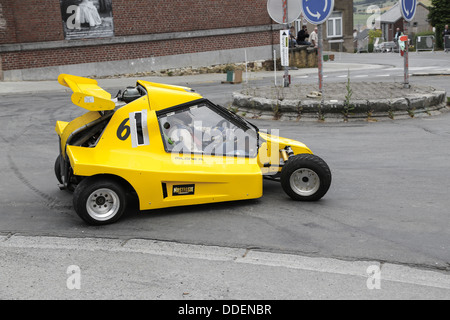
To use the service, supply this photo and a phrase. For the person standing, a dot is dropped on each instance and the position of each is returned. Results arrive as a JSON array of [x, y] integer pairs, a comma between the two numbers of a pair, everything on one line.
[[314, 38], [398, 34], [446, 33]]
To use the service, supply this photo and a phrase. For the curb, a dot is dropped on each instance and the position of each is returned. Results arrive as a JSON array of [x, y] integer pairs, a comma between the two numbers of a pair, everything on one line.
[[334, 110]]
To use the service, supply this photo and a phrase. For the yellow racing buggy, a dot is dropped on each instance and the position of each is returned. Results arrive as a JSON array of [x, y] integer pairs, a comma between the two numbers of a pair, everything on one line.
[[171, 147]]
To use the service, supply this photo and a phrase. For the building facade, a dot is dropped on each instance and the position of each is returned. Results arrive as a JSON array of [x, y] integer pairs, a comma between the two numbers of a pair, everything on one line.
[[39, 39], [393, 19], [338, 30]]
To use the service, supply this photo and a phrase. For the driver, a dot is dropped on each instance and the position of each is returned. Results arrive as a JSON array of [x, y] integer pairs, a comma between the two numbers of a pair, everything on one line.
[[179, 133]]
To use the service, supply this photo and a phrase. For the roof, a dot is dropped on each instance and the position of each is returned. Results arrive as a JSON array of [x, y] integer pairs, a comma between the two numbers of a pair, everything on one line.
[[363, 34], [394, 14]]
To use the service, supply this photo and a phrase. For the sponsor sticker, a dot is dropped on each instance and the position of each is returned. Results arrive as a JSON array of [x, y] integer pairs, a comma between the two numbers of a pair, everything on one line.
[[183, 190]]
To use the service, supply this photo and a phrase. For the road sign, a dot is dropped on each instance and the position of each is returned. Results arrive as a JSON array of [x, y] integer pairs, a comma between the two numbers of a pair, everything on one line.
[[284, 48], [317, 11], [277, 13], [408, 9]]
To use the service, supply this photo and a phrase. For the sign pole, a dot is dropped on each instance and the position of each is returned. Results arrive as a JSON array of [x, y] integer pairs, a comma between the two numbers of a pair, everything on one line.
[[284, 12], [408, 9], [406, 56], [316, 13], [320, 57], [285, 17]]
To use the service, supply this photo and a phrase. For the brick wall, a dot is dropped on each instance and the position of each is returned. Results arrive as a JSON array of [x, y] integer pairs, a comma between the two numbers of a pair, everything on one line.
[[32, 21], [47, 58], [7, 31], [40, 21], [180, 16]]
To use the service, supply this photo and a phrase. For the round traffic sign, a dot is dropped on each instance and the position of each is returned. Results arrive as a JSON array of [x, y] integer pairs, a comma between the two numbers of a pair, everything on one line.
[[317, 11], [408, 9], [276, 10]]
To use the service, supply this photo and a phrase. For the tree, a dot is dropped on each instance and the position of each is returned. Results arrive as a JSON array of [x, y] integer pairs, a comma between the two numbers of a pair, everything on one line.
[[439, 16]]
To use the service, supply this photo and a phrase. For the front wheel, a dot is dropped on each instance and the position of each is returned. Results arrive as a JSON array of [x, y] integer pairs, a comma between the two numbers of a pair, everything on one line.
[[306, 177], [99, 201]]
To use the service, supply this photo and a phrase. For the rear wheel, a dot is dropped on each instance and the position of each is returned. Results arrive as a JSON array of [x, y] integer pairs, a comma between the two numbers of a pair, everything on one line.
[[306, 177], [99, 201], [58, 173]]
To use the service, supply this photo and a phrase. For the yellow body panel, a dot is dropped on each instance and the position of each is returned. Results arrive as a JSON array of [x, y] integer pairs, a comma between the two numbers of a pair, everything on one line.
[[87, 94], [269, 152], [65, 130], [60, 126], [163, 96]]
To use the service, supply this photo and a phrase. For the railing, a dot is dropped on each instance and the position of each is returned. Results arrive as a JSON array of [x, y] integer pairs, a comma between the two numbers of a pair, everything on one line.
[[425, 43]]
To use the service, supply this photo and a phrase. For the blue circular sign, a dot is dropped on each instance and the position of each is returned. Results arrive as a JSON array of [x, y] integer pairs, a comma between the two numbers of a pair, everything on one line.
[[408, 9], [317, 11]]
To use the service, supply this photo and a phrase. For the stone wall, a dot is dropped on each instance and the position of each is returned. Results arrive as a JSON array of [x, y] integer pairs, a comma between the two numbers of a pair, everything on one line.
[[303, 57]]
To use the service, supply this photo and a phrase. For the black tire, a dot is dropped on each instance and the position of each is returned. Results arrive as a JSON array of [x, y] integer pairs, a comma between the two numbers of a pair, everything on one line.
[[58, 169], [99, 201], [305, 177]]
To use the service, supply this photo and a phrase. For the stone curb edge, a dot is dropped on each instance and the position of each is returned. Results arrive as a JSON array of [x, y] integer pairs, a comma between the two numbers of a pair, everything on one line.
[[333, 110]]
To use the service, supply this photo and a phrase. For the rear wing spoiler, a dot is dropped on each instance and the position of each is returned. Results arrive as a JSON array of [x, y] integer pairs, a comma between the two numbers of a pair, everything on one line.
[[87, 94]]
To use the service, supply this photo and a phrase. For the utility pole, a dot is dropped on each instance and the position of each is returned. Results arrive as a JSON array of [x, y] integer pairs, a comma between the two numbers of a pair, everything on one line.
[[285, 17]]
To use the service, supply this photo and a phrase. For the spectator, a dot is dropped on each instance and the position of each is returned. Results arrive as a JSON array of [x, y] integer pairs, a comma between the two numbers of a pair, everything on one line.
[[446, 32], [302, 36], [398, 34], [314, 38], [292, 38]]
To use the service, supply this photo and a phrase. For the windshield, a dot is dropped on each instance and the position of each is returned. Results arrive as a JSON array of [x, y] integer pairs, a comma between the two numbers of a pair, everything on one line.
[[207, 129]]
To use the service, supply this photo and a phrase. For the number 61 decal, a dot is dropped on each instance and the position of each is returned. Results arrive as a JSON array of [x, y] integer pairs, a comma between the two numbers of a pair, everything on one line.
[[137, 129]]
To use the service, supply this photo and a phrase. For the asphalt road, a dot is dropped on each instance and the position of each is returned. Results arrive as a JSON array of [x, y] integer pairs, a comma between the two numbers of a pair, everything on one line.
[[388, 201]]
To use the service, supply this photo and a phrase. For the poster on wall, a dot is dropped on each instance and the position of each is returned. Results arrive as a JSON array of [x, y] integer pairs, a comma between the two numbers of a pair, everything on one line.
[[83, 19]]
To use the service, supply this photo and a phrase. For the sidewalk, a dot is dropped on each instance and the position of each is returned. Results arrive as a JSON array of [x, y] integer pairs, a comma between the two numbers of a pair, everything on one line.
[[348, 62], [37, 268], [117, 83]]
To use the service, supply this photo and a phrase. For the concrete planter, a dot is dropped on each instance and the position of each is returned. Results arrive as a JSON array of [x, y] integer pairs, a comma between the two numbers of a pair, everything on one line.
[[335, 110]]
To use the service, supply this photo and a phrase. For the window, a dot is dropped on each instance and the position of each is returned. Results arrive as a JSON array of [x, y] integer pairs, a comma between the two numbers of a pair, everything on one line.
[[334, 25], [209, 130]]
